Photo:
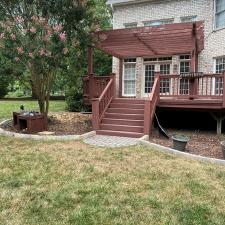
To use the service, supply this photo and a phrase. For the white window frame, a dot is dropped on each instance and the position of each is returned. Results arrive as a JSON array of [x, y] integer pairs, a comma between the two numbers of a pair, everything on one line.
[[192, 18], [157, 62], [131, 25], [215, 14], [159, 20], [214, 79], [123, 89]]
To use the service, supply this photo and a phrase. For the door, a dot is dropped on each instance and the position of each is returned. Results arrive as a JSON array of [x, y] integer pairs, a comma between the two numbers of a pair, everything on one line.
[[165, 69], [149, 78]]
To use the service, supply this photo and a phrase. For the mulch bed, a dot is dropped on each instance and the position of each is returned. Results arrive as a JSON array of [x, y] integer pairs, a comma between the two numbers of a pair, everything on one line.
[[63, 123], [204, 143]]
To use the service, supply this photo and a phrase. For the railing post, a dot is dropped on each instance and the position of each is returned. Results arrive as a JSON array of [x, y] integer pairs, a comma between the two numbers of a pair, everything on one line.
[[91, 86], [147, 112], [224, 89], [157, 75], [95, 114]]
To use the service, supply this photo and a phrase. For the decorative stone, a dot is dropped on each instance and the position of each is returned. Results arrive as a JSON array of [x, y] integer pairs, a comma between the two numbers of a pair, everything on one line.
[[46, 133]]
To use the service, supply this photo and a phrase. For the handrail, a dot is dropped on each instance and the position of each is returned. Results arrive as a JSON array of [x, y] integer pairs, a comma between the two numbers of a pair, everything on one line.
[[106, 89], [150, 105], [101, 104]]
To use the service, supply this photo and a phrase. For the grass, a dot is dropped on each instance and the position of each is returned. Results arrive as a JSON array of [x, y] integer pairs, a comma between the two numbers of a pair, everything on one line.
[[46, 183], [7, 107]]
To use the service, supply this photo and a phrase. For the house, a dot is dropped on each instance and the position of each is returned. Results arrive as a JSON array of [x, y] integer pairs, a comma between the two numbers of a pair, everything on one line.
[[166, 54]]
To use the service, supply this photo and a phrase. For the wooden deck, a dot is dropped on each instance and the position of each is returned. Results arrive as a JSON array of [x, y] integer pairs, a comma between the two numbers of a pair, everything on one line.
[[120, 116], [191, 103]]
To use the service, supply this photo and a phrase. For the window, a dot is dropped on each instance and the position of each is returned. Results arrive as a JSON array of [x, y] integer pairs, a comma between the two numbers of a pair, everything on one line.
[[158, 22], [130, 25], [129, 78], [187, 19], [219, 14], [185, 65], [220, 65], [220, 68]]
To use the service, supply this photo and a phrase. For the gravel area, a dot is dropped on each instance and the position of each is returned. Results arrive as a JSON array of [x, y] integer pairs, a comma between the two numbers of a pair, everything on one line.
[[204, 143], [63, 123]]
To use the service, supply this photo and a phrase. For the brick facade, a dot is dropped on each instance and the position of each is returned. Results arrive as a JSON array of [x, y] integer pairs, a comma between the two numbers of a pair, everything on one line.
[[156, 10]]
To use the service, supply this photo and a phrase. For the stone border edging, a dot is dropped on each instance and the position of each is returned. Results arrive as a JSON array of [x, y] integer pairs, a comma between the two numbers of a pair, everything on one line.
[[185, 154], [44, 137]]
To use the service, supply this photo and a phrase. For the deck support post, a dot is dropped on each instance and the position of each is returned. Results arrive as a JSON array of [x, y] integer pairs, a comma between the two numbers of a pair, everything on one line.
[[219, 117]]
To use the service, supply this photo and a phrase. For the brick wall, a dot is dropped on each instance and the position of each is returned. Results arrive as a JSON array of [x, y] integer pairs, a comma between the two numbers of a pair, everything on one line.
[[204, 9]]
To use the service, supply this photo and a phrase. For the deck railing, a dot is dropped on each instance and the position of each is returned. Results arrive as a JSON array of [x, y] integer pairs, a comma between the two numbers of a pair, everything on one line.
[[204, 86], [101, 104], [150, 105], [93, 86]]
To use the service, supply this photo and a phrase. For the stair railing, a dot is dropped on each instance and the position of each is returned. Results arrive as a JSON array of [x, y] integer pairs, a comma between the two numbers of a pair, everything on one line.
[[150, 105], [101, 104]]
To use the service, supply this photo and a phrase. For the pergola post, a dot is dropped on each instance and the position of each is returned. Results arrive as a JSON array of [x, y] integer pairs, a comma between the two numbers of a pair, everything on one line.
[[90, 60], [120, 77], [194, 64]]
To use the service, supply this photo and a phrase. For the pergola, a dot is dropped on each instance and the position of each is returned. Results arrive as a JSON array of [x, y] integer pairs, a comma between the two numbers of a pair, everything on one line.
[[164, 40]]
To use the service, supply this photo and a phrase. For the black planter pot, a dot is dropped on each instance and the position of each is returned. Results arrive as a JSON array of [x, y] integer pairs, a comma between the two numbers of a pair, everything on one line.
[[223, 148], [180, 142]]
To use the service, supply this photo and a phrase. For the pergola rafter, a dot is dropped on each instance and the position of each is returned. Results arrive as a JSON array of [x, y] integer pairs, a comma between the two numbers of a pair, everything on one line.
[[170, 39]]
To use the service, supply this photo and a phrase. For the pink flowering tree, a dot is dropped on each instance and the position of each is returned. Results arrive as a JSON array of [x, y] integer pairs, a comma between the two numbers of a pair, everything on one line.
[[41, 45]]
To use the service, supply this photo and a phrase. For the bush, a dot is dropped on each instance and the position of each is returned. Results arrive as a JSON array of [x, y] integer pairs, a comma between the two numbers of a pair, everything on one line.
[[74, 99], [3, 89]]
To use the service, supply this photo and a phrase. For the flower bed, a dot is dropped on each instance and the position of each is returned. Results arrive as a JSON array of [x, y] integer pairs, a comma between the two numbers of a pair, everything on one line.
[[204, 143]]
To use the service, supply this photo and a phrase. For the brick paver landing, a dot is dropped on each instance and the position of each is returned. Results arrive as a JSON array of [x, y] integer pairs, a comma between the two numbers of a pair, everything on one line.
[[111, 141]]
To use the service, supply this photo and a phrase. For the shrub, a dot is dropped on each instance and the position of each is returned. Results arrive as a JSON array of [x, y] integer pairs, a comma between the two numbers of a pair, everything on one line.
[[3, 89], [74, 99]]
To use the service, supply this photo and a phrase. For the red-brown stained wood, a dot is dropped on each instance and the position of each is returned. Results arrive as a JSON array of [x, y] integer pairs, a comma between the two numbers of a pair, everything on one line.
[[166, 39]]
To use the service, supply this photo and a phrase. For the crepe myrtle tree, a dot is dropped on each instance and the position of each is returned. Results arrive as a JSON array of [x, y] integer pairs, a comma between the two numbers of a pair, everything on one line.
[[40, 44]]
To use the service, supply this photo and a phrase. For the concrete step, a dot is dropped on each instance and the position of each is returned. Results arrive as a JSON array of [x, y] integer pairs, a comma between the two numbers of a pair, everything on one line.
[[126, 128], [128, 100], [120, 133], [123, 122], [124, 116], [125, 111], [127, 106]]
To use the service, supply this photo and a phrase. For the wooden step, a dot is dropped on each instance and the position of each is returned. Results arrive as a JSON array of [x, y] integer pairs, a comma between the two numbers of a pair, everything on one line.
[[120, 133], [114, 127], [128, 100], [123, 122], [125, 111], [124, 116], [127, 106]]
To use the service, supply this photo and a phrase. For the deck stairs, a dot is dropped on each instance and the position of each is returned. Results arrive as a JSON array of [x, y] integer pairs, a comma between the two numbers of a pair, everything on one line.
[[124, 117]]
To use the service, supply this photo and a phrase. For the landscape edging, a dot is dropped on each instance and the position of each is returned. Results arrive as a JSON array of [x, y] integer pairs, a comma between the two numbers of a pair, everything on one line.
[[185, 154], [45, 137]]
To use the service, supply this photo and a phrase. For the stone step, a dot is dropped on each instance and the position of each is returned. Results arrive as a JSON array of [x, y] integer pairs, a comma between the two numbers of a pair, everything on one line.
[[120, 133]]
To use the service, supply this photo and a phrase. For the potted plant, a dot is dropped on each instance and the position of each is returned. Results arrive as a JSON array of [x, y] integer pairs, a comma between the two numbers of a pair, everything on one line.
[[180, 142]]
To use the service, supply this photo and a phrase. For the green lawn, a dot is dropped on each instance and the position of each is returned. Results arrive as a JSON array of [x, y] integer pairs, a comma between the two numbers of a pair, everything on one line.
[[7, 107], [58, 183]]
